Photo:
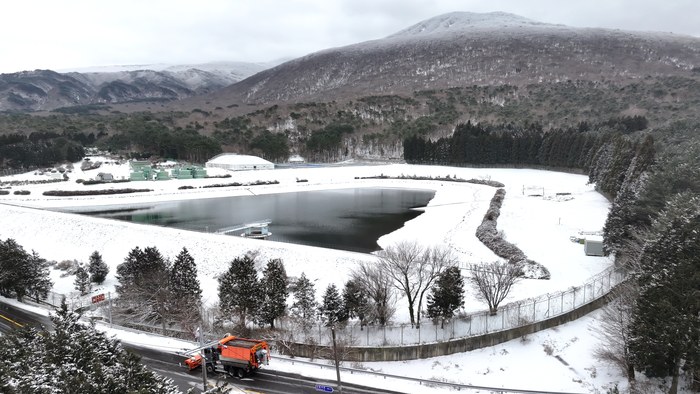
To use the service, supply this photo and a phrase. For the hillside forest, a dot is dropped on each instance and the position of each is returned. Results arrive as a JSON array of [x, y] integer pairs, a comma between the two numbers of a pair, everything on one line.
[[638, 143]]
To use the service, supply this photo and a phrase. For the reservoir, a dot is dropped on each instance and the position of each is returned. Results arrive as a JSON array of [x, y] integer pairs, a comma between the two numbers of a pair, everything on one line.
[[348, 219]]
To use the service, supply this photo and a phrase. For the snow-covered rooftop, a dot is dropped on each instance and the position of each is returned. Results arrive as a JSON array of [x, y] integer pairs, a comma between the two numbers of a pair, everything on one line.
[[233, 158]]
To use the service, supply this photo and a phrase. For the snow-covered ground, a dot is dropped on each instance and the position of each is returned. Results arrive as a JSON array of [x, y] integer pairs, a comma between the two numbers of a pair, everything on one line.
[[533, 216]]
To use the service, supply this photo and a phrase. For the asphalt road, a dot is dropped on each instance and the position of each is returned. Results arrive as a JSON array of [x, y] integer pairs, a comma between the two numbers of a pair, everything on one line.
[[168, 364]]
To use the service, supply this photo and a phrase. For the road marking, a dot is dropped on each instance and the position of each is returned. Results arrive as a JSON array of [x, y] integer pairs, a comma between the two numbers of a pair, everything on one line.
[[238, 389], [11, 321]]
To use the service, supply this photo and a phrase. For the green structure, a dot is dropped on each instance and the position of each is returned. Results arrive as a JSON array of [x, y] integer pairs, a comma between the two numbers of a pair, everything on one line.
[[189, 172], [162, 176], [141, 171]]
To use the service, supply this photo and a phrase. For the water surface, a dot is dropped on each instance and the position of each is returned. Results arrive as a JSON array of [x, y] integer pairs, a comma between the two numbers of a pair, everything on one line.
[[351, 219]]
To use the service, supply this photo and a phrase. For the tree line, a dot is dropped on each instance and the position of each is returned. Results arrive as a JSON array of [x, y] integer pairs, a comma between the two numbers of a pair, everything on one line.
[[507, 144], [653, 229], [409, 270]]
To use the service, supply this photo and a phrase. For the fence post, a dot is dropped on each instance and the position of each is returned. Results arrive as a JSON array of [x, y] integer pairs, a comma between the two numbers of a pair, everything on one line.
[[562, 303]]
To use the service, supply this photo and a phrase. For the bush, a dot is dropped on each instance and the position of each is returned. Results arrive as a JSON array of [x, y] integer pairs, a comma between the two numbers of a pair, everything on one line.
[[185, 187], [22, 192], [4, 192], [68, 193], [79, 180]]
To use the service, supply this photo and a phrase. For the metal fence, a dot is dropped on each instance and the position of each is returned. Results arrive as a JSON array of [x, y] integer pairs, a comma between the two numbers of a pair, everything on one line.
[[510, 316]]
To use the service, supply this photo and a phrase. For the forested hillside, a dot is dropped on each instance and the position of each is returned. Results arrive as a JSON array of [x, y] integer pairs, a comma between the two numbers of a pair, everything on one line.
[[368, 127]]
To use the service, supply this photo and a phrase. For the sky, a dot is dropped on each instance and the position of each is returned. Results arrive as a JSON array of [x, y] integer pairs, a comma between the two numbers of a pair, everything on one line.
[[57, 35]]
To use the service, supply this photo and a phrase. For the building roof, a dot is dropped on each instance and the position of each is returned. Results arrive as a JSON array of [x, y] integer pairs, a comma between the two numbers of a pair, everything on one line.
[[232, 158]]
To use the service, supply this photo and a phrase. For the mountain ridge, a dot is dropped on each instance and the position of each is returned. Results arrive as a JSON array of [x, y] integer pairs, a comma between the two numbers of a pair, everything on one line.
[[460, 49]]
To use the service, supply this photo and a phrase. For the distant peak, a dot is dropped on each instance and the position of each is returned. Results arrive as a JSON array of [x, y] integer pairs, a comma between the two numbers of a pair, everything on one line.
[[455, 21]]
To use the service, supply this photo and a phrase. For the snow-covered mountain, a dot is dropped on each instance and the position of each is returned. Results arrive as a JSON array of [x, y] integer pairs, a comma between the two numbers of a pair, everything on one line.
[[46, 89], [464, 49]]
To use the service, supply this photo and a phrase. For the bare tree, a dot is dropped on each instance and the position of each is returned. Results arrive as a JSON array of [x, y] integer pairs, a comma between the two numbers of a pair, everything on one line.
[[493, 281], [377, 286], [614, 329], [413, 269]]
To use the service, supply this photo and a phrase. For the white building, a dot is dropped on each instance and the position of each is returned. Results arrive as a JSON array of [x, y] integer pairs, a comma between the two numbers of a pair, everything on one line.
[[235, 162]]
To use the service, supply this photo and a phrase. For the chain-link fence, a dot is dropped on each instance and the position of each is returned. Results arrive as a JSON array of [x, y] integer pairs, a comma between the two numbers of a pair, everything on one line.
[[510, 316]]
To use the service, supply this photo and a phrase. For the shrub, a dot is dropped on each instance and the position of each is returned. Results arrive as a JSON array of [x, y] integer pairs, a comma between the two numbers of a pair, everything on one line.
[[67, 193], [4, 192], [22, 192], [185, 187]]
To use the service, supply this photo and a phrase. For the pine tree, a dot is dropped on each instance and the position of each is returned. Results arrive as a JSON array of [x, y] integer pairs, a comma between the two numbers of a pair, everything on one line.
[[356, 302], [144, 287], [304, 307], [664, 329], [21, 273], [73, 358], [447, 295], [239, 289], [185, 290], [82, 280], [274, 284], [97, 268], [332, 310]]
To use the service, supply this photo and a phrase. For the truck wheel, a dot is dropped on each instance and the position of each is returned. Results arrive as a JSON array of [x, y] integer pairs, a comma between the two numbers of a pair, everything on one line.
[[240, 373], [210, 368]]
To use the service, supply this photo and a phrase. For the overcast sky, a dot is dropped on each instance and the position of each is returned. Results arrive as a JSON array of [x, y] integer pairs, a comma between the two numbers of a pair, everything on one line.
[[50, 34]]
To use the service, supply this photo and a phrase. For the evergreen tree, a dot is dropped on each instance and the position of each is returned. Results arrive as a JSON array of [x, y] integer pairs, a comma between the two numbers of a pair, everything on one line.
[[304, 307], [185, 289], [144, 287], [239, 289], [332, 310], [97, 268], [664, 330], [73, 358], [356, 302], [82, 280], [21, 273], [447, 295], [274, 284]]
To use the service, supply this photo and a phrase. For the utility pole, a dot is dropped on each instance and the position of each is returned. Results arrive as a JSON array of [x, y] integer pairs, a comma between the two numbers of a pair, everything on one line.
[[203, 356], [335, 356], [109, 297]]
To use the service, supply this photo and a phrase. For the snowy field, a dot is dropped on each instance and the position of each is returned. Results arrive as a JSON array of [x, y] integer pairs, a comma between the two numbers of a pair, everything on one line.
[[533, 217]]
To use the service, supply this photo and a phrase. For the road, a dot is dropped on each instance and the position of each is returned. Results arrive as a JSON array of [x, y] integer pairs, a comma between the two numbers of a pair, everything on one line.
[[168, 364]]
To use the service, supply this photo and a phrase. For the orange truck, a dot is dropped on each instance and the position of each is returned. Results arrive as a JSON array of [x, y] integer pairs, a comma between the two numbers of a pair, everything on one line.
[[232, 355]]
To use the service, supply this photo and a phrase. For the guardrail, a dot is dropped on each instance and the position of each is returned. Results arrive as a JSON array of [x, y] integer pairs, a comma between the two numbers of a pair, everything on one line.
[[422, 382]]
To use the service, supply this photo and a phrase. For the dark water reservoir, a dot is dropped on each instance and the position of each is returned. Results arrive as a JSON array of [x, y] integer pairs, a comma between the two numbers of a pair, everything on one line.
[[351, 219]]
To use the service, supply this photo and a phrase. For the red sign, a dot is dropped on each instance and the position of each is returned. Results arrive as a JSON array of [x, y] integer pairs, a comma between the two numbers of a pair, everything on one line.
[[98, 298]]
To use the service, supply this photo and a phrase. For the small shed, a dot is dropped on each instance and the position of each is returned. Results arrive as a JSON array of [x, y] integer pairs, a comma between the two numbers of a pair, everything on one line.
[[103, 176], [235, 162], [593, 245]]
